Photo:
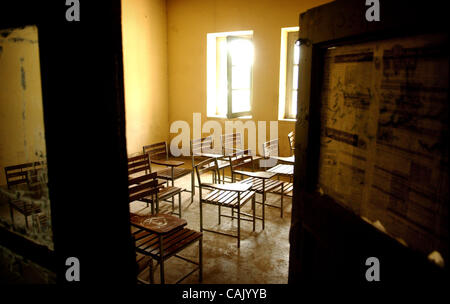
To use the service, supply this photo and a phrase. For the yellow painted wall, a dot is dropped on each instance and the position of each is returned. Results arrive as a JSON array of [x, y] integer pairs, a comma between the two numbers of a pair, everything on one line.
[[22, 137], [188, 23], [144, 30]]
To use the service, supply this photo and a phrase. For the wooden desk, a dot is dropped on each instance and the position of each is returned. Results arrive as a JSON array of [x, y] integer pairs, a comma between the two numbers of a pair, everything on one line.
[[289, 159], [257, 174], [159, 223], [169, 163], [283, 169], [161, 236]]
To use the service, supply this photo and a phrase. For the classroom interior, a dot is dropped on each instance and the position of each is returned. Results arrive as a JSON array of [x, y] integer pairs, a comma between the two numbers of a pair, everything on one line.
[[213, 121]]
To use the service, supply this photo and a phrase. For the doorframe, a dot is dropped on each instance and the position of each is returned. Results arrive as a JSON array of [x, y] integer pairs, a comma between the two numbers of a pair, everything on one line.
[[84, 117], [337, 23]]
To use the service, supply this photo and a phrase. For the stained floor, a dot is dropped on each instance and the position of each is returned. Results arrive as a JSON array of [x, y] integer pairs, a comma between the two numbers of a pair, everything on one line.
[[262, 258]]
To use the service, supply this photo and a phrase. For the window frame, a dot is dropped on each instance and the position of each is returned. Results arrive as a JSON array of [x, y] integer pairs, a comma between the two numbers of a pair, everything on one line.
[[214, 102], [291, 41], [285, 104], [230, 113]]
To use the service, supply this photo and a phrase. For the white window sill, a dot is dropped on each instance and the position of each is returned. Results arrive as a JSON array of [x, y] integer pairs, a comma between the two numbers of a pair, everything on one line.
[[288, 119], [224, 117], [215, 116]]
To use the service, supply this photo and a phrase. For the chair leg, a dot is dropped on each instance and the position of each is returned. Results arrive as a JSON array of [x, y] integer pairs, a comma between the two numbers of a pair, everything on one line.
[[161, 259], [263, 210], [254, 210], [263, 205], [192, 185], [157, 204], [151, 274], [220, 214], [239, 224], [282, 196], [200, 259], [179, 205], [201, 212]]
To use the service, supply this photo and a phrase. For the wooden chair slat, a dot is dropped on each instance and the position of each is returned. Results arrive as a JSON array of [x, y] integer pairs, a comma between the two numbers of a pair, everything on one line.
[[177, 238], [160, 144], [189, 238], [212, 195], [137, 164], [143, 186], [153, 248], [229, 199], [143, 162], [139, 179]]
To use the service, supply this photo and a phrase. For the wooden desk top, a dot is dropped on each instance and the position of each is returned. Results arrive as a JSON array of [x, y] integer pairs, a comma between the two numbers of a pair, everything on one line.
[[212, 155], [258, 174], [289, 159], [283, 169], [170, 163], [157, 223], [230, 187]]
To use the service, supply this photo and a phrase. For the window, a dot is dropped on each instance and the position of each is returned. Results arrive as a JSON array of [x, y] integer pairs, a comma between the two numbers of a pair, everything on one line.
[[289, 60], [229, 74]]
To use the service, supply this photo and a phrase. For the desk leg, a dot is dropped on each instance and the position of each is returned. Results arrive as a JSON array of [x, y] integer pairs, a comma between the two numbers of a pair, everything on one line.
[[151, 277], [161, 259], [200, 259]]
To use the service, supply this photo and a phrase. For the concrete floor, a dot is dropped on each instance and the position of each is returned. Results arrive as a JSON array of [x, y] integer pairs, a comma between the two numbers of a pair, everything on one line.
[[262, 258]]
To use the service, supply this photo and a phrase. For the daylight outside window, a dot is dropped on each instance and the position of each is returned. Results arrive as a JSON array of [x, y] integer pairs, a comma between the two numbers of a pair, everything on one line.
[[229, 70]]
